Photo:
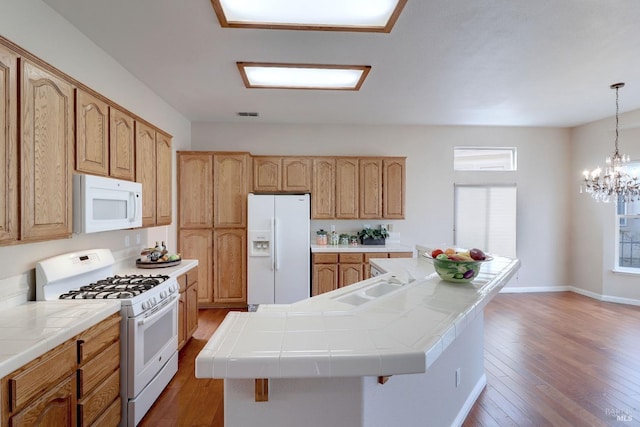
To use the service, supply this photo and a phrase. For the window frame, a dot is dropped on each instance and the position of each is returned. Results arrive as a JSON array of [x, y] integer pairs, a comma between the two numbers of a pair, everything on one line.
[[622, 219], [513, 151]]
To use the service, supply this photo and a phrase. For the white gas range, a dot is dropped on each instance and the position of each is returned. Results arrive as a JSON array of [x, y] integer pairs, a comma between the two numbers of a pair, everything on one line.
[[149, 332]]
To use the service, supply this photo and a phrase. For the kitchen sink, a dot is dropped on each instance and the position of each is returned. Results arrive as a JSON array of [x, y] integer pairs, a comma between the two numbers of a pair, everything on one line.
[[371, 292]]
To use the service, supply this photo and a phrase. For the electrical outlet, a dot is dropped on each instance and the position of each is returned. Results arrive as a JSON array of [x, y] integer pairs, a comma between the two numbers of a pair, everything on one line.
[[458, 377]]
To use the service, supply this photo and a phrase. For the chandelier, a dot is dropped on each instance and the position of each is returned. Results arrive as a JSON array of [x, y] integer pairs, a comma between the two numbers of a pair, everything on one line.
[[616, 184]]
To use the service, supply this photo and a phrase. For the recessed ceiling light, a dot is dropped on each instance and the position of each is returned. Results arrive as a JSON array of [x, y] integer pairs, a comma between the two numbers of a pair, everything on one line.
[[302, 76], [326, 15]]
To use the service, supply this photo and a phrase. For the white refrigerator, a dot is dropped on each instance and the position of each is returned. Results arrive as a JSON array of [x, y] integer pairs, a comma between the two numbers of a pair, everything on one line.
[[278, 255]]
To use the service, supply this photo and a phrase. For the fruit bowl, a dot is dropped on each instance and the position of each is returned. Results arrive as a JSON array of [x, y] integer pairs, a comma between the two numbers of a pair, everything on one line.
[[456, 268]]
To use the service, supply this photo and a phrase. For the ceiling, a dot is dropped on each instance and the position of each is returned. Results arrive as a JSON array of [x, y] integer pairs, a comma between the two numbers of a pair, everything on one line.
[[446, 62]]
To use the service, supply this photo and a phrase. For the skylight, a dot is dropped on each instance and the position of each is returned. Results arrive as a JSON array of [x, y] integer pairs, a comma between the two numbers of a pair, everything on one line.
[[301, 76], [326, 15]]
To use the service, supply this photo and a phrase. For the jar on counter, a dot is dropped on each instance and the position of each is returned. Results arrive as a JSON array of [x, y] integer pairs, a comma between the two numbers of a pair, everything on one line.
[[321, 237]]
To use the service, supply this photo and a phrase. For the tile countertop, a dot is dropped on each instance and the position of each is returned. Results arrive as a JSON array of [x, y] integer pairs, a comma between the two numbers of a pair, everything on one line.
[[336, 334], [391, 247], [178, 270], [28, 331]]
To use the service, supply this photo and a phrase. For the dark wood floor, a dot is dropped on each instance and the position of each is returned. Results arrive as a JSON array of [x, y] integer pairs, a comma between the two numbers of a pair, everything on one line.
[[552, 359]]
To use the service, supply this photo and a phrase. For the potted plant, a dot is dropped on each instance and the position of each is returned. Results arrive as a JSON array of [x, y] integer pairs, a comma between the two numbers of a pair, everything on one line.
[[372, 236]]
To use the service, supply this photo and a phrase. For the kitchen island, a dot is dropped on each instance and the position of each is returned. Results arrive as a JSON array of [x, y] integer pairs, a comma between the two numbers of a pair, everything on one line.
[[403, 348]]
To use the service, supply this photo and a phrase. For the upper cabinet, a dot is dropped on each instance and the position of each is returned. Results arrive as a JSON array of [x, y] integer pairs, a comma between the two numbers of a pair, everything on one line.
[[92, 134], [393, 187], [8, 145], [230, 189], [153, 171], [46, 153], [323, 194], [347, 188], [281, 174], [121, 145], [370, 188]]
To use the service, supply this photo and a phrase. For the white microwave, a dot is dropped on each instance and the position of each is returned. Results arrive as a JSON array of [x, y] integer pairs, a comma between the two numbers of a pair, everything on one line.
[[103, 204]]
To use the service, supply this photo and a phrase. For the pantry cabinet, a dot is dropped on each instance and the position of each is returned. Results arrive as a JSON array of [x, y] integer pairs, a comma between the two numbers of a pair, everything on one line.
[[188, 306], [8, 145], [153, 171], [195, 190], [230, 190], [121, 145], [92, 134], [198, 244], [230, 266], [46, 111], [323, 192], [75, 384]]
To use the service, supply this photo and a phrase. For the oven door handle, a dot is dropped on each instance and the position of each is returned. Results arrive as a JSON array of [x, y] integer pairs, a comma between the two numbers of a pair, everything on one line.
[[161, 311]]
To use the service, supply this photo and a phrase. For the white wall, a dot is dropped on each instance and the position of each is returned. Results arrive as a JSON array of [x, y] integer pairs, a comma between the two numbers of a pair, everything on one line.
[[543, 197], [593, 224], [35, 27]]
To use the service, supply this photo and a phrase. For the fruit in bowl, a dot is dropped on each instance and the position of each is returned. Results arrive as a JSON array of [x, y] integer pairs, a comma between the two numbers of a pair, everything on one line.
[[459, 266]]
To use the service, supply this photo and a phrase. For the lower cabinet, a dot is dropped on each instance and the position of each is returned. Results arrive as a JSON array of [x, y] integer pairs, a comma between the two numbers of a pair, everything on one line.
[[188, 306], [335, 270], [75, 384]]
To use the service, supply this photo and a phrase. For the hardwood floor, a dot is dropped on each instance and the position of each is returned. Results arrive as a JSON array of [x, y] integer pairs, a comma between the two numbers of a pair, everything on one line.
[[552, 359]]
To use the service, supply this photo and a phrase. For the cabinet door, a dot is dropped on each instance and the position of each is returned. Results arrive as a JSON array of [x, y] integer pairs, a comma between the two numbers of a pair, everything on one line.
[[370, 188], [324, 189], [47, 154], [92, 134], [230, 190], [146, 171], [57, 407], [121, 145], [182, 319], [192, 310], [8, 145], [266, 174], [349, 274], [195, 190], [325, 278], [164, 176], [347, 188], [229, 266], [198, 244], [296, 175], [393, 188]]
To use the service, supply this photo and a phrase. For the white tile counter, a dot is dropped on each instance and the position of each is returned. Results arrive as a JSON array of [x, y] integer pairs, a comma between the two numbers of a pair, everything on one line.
[[391, 247], [29, 330], [175, 271], [329, 335]]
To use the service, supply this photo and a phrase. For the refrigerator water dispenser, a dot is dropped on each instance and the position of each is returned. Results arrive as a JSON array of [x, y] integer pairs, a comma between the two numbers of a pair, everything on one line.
[[260, 243]]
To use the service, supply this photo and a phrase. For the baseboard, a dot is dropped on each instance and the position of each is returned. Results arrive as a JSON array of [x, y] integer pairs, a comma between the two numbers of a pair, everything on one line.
[[471, 400], [590, 294]]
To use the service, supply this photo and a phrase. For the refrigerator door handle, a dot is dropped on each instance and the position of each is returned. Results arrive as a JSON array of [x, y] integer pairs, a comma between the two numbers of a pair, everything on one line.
[[272, 245], [276, 248]]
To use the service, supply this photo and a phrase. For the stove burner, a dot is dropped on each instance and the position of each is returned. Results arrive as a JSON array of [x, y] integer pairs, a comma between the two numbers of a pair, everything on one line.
[[116, 287]]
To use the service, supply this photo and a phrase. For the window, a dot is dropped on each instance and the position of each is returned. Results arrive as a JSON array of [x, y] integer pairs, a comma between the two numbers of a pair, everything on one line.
[[628, 234], [484, 159], [485, 218]]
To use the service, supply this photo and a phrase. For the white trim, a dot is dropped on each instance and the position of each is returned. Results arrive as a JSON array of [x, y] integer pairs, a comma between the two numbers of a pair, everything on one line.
[[590, 294], [471, 400]]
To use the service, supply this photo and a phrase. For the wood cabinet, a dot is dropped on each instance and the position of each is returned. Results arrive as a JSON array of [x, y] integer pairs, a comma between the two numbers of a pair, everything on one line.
[[188, 306], [333, 270], [46, 111], [323, 192], [281, 174], [92, 134], [153, 171], [198, 244], [74, 384], [393, 188], [347, 188], [370, 202], [230, 190], [121, 145], [195, 190], [230, 266], [8, 146]]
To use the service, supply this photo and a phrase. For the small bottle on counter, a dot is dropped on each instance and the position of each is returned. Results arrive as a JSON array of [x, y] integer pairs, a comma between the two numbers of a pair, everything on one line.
[[334, 238]]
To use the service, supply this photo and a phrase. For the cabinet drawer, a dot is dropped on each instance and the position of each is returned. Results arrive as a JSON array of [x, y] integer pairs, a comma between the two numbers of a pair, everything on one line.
[[369, 255], [352, 258], [325, 258], [110, 417], [98, 400], [96, 338], [192, 276], [97, 369], [41, 374], [182, 282], [401, 255]]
